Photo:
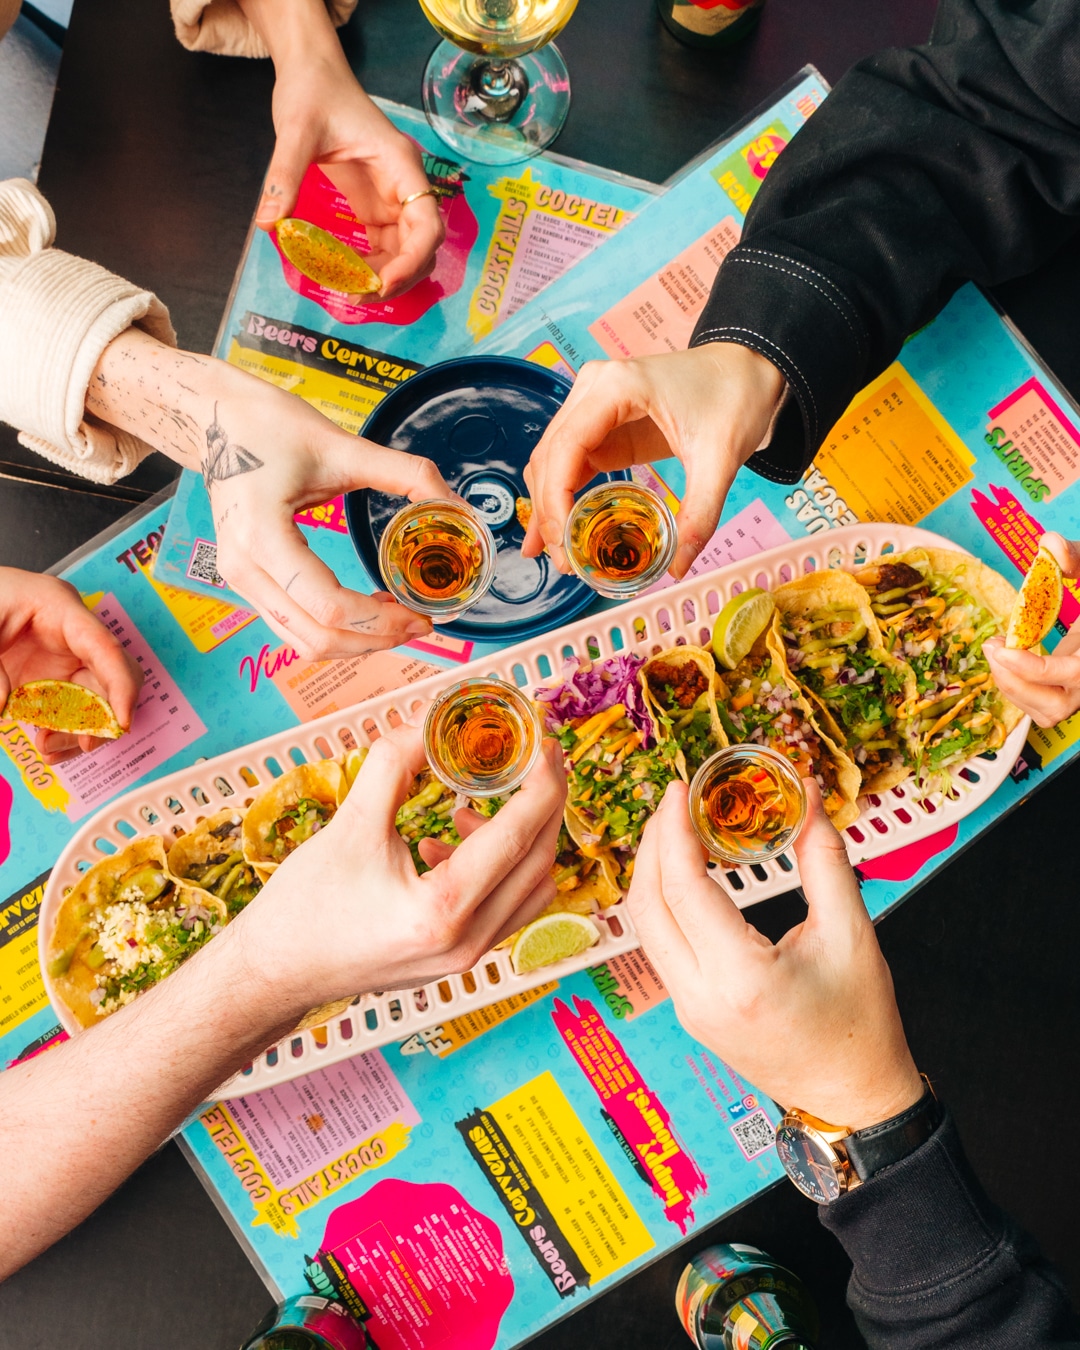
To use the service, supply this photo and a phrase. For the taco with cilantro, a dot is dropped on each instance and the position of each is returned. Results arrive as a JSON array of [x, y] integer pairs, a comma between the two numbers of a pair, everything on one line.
[[211, 856], [834, 649], [301, 802], [936, 608], [760, 703], [679, 687], [125, 925]]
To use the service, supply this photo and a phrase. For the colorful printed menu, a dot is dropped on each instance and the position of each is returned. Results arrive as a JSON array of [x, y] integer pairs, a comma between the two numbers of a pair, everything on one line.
[[478, 1181]]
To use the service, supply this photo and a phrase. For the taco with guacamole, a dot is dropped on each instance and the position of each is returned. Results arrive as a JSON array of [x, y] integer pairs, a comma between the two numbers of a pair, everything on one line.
[[679, 687], [428, 813], [125, 925], [301, 802], [211, 856], [936, 608], [834, 649], [760, 703]]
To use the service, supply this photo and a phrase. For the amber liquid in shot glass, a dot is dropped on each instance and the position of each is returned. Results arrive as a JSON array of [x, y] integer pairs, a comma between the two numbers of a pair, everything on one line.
[[482, 737], [747, 804], [620, 538], [437, 558]]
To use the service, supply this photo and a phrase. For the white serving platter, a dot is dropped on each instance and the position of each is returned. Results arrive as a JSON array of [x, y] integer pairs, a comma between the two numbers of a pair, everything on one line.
[[681, 613]]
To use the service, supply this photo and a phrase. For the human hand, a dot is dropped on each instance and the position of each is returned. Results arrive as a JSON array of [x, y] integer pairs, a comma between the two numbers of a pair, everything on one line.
[[264, 455], [47, 633], [811, 1020], [348, 913], [322, 116], [1046, 687], [710, 407]]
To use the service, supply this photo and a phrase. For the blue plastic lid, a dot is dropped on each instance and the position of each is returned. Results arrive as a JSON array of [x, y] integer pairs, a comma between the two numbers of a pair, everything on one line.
[[478, 418]]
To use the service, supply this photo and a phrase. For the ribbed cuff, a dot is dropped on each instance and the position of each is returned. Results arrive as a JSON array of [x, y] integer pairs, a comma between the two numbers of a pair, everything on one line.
[[221, 27], [58, 313], [799, 320]]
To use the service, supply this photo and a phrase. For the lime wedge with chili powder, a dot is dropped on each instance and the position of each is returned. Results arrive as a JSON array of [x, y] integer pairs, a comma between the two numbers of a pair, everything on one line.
[[56, 705], [739, 625], [325, 259], [1038, 604], [551, 938]]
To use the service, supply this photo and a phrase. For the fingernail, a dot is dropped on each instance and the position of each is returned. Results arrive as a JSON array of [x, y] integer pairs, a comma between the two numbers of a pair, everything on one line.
[[418, 628]]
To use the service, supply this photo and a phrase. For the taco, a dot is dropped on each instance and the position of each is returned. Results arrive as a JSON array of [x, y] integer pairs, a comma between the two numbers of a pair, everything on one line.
[[833, 649], [211, 856], [287, 814], [125, 925], [428, 813], [936, 608], [618, 759], [582, 883], [761, 703], [679, 687]]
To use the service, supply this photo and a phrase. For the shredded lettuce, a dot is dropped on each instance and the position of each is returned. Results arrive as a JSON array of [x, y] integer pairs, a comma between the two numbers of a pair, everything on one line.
[[590, 687]]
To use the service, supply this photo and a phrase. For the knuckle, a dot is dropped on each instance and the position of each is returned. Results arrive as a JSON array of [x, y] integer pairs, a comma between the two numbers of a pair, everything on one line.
[[327, 611], [515, 849]]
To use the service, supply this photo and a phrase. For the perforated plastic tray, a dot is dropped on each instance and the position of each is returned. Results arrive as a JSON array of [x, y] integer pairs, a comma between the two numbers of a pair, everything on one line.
[[682, 613]]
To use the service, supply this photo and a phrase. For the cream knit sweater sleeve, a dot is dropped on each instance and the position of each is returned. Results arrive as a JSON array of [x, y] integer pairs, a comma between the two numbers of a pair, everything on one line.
[[220, 26], [58, 313]]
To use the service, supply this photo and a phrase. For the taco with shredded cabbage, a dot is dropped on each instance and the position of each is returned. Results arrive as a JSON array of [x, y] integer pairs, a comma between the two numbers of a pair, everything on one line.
[[211, 856], [301, 802], [679, 687], [125, 925], [936, 608], [760, 703], [618, 759], [833, 648]]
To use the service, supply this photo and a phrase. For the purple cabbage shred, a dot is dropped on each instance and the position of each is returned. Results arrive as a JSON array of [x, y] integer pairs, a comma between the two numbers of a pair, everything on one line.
[[590, 687]]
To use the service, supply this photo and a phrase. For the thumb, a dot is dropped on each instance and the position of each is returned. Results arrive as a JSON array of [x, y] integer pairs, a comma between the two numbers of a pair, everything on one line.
[[707, 484], [282, 185], [828, 881], [1066, 551]]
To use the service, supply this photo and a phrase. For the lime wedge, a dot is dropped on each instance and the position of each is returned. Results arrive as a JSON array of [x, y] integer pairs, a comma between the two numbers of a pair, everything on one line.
[[551, 938], [325, 259], [1038, 604], [56, 705], [739, 625], [352, 764]]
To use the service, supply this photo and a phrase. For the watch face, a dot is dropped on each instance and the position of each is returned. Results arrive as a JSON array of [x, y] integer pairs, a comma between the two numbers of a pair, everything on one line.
[[810, 1163]]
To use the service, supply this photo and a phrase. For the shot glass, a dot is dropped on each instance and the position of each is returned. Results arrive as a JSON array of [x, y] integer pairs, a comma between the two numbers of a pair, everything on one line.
[[747, 804], [482, 737], [437, 558], [620, 538]]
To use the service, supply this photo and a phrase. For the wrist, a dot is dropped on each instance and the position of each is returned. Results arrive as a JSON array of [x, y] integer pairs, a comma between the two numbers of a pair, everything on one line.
[[297, 33], [759, 389]]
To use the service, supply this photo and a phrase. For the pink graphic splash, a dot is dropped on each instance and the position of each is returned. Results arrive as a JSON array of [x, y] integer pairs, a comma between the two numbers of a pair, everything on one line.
[[427, 1264], [1016, 532], [639, 1115], [7, 797], [903, 863], [329, 516], [320, 203], [1034, 386]]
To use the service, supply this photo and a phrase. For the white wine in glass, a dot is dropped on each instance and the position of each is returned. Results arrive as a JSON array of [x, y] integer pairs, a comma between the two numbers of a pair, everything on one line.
[[496, 90]]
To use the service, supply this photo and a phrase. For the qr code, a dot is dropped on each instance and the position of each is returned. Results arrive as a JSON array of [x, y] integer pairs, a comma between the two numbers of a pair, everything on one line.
[[754, 1134], [203, 563]]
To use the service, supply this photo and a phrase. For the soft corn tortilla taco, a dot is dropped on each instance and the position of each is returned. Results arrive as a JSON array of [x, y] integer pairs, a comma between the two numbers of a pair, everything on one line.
[[936, 608], [760, 702], [679, 686], [833, 648], [428, 813], [125, 925], [287, 814], [211, 856]]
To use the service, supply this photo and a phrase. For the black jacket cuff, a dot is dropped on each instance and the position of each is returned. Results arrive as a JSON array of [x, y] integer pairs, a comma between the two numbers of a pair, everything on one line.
[[797, 318]]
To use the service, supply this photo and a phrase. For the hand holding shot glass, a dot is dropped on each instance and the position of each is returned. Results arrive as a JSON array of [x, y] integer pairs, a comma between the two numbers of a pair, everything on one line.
[[620, 539], [437, 558], [747, 804], [482, 737]]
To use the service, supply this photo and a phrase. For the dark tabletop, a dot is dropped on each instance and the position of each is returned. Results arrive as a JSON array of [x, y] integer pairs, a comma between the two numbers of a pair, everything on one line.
[[153, 163]]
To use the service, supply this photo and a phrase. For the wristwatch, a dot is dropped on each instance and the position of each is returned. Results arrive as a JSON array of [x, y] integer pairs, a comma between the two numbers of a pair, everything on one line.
[[826, 1160]]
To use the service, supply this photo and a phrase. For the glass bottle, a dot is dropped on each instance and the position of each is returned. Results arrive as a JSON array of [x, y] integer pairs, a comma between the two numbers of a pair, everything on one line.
[[710, 23], [308, 1323], [733, 1297]]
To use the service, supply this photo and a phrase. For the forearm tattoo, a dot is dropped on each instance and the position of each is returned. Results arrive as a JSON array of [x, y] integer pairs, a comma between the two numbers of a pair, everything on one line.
[[222, 459]]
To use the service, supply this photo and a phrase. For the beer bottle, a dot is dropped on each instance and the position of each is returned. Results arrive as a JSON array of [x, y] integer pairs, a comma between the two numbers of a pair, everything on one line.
[[710, 23], [733, 1297], [308, 1323]]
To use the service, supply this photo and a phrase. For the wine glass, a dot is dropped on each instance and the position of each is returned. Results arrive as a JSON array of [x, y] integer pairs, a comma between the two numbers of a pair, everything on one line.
[[496, 90]]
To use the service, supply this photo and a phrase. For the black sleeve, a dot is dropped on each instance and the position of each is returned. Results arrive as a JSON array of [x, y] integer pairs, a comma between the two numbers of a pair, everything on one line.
[[924, 168], [937, 1265]]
